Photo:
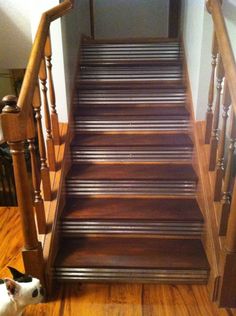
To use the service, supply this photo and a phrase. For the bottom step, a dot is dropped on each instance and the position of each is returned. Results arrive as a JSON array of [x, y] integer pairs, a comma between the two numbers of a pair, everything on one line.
[[150, 260]]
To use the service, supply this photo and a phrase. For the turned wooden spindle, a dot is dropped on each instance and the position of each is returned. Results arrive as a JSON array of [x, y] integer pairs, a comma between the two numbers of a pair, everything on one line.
[[52, 98], [49, 139], [209, 114], [216, 116], [38, 201], [44, 170], [226, 101], [226, 194], [32, 253]]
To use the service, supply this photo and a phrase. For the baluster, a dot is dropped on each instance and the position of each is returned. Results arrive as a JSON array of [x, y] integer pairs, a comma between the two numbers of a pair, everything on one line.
[[44, 170], [226, 197], [32, 253], [49, 139], [38, 201], [215, 130], [54, 116], [209, 114], [220, 158]]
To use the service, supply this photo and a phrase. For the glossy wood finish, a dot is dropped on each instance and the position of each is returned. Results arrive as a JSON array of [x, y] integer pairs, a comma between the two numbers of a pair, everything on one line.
[[44, 170], [54, 116], [92, 18], [147, 202], [16, 130], [216, 115], [174, 18], [226, 101], [49, 138], [227, 185], [209, 114], [104, 299], [226, 68]]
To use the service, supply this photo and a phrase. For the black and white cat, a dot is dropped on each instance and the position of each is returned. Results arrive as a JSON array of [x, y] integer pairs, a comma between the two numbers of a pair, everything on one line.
[[17, 293]]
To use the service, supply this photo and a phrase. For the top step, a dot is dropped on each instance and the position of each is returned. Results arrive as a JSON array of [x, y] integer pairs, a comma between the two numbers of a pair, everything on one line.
[[130, 53]]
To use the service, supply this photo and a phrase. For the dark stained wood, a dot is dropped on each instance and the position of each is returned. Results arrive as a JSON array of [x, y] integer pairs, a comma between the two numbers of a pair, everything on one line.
[[158, 110], [216, 115], [44, 170], [92, 18], [209, 113], [118, 140], [105, 299], [49, 139], [227, 185], [127, 171], [137, 252], [174, 18], [52, 97], [221, 151], [141, 209]]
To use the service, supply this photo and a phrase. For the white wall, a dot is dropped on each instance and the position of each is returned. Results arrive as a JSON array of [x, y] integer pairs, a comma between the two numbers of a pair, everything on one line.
[[15, 33], [74, 25], [37, 7], [131, 18], [197, 28], [192, 28]]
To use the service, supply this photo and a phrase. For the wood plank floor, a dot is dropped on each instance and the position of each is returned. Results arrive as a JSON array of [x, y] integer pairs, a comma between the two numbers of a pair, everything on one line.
[[105, 299]]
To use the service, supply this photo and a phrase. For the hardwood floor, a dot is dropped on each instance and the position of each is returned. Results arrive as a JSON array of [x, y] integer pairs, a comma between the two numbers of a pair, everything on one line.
[[105, 299]]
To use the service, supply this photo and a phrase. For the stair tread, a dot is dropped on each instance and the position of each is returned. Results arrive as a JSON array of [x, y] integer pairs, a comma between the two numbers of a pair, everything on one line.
[[118, 140], [136, 253], [139, 171], [144, 210]]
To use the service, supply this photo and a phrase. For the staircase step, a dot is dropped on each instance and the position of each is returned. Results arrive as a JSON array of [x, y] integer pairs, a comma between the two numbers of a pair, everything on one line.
[[119, 140], [141, 111], [119, 180], [135, 53], [123, 97], [132, 172], [132, 216], [132, 154], [133, 76], [126, 124], [131, 148], [131, 260]]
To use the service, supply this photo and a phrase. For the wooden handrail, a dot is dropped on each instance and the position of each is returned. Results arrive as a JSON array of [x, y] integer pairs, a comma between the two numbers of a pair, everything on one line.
[[31, 75], [225, 48], [224, 177], [18, 124]]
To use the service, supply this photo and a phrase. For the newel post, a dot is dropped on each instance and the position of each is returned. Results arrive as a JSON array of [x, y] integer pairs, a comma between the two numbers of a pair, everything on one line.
[[32, 252]]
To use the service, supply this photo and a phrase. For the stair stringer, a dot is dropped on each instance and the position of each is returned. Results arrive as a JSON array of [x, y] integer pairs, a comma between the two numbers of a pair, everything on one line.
[[210, 239]]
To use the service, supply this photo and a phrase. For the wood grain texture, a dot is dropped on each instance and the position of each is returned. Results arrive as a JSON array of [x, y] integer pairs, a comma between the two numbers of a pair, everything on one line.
[[104, 299]]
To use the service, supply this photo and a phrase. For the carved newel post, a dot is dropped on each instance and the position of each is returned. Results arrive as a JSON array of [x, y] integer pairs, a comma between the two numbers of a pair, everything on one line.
[[32, 253]]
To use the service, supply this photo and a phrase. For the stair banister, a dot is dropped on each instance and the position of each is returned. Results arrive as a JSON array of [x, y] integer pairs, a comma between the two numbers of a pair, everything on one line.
[[223, 187], [17, 124]]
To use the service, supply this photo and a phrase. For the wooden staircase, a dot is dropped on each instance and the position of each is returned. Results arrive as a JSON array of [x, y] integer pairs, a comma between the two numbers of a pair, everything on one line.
[[131, 213]]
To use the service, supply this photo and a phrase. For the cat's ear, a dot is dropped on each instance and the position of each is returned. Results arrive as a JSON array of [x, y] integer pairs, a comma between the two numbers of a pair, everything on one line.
[[15, 273], [13, 288]]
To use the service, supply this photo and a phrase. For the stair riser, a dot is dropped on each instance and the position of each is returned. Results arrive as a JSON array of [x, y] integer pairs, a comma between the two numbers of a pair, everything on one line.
[[151, 229], [128, 188], [131, 125], [135, 275], [126, 155]]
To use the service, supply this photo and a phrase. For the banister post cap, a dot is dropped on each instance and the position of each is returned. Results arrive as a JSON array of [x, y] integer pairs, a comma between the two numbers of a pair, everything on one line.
[[10, 102]]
